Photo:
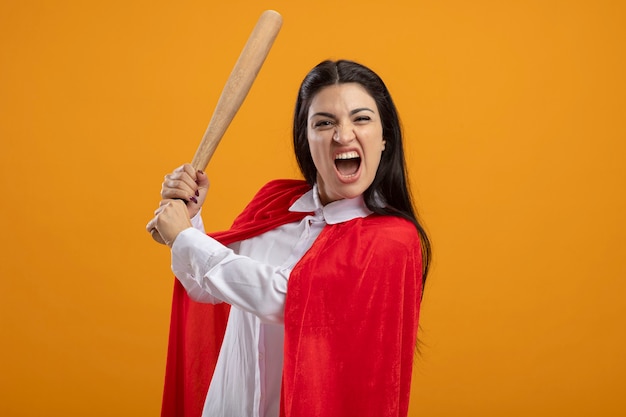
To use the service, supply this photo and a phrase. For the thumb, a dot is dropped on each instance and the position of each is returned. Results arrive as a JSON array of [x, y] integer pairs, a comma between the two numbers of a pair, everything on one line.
[[202, 180]]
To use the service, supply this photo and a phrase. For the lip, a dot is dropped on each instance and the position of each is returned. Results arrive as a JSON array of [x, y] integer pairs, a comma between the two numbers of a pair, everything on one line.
[[348, 179]]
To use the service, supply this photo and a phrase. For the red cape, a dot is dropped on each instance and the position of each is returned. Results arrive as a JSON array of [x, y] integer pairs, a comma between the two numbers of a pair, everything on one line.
[[350, 317]]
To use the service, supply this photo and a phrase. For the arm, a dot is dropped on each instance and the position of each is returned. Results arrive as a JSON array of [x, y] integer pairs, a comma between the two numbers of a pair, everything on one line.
[[209, 271]]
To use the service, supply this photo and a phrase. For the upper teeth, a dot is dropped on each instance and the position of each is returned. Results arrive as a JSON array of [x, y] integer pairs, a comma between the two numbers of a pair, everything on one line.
[[347, 155]]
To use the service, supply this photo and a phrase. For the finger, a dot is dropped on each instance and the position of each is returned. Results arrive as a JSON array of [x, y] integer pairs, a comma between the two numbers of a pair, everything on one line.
[[184, 173], [156, 236], [181, 183], [167, 208], [150, 226], [192, 175], [186, 176], [165, 202], [179, 180], [179, 188], [190, 171], [177, 205], [202, 179]]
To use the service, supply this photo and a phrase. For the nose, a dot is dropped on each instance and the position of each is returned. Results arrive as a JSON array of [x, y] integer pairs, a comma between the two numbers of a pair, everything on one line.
[[344, 134]]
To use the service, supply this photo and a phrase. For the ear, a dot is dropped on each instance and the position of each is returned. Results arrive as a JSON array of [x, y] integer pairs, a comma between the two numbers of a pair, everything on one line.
[[384, 143]]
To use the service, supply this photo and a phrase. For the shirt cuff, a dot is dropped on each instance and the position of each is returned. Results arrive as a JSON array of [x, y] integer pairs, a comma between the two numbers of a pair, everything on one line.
[[196, 221]]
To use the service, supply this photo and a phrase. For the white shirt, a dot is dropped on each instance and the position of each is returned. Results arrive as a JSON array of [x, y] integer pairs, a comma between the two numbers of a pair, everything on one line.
[[252, 276]]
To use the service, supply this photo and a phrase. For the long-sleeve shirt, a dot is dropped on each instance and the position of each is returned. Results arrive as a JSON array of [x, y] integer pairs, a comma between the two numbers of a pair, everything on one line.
[[252, 276]]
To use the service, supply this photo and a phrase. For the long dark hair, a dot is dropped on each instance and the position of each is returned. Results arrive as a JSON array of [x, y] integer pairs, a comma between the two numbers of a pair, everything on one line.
[[391, 180]]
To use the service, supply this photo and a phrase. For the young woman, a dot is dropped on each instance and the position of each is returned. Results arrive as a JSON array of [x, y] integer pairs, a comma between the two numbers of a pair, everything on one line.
[[324, 276]]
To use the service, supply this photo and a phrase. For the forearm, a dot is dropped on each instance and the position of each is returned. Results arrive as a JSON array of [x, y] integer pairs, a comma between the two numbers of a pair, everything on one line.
[[209, 270]]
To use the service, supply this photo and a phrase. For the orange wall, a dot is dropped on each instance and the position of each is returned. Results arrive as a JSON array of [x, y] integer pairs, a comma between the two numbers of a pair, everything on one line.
[[514, 112]]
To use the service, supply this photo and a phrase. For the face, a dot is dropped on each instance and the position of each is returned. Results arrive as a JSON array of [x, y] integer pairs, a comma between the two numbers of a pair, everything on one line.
[[345, 136]]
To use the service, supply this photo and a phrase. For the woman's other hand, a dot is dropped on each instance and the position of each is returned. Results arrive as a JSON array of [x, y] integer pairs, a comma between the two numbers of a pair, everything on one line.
[[171, 218], [186, 184]]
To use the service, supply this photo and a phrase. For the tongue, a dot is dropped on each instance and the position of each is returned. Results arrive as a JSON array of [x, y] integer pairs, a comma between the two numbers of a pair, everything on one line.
[[348, 166]]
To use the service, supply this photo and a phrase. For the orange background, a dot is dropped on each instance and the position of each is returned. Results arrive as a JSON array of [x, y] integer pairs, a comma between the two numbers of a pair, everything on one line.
[[514, 117]]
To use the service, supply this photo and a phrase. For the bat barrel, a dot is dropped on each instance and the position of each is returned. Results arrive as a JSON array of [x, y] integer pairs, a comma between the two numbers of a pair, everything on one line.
[[238, 84]]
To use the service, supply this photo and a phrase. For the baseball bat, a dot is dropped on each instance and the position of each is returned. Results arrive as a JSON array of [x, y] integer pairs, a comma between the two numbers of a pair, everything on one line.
[[238, 85], [236, 89]]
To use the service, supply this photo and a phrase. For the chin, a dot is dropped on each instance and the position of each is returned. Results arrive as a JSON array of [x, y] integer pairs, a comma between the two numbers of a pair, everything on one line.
[[348, 192]]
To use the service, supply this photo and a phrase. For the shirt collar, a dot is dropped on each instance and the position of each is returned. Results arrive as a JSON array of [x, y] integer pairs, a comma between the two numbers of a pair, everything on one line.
[[336, 212]]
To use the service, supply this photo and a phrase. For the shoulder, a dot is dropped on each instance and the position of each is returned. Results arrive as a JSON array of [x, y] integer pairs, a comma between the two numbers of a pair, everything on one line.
[[392, 235], [282, 187], [393, 238], [268, 209], [381, 244], [273, 199], [380, 233], [390, 228]]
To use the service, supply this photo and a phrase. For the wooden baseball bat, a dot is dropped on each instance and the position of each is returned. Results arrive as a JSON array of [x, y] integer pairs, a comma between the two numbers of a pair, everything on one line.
[[236, 89], [238, 84]]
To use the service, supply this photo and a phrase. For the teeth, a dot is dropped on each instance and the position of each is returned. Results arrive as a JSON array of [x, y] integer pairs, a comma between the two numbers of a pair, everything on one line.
[[347, 155]]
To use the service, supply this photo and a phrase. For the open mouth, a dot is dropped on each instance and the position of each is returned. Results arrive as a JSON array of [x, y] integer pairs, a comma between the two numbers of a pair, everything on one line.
[[347, 163]]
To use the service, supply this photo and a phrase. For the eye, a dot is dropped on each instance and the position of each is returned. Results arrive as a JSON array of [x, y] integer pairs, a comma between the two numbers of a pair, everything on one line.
[[323, 124], [362, 119]]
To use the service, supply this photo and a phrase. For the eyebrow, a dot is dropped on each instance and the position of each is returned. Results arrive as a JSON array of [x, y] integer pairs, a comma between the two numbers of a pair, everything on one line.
[[353, 112]]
